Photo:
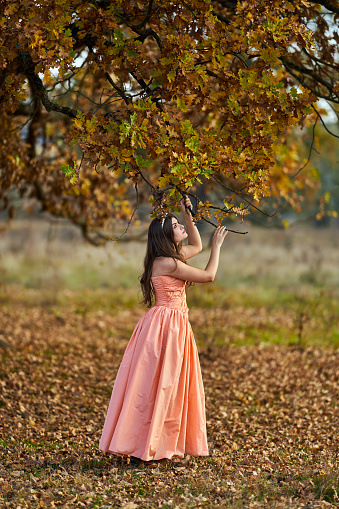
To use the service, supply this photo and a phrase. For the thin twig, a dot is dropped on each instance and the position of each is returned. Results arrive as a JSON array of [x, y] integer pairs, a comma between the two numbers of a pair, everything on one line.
[[310, 152], [323, 123], [118, 89], [183, 193], [243, 197], [134, 211], [145, 179], [311, 89], [146, 19]]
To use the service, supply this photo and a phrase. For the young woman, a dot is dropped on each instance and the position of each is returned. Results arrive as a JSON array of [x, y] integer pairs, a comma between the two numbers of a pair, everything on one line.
[[157, 408]]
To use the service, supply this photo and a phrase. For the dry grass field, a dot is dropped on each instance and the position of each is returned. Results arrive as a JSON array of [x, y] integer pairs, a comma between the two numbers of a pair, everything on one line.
[[267, 331]]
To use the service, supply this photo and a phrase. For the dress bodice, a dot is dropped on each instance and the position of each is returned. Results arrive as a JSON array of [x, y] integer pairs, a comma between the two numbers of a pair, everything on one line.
[[170, 292]]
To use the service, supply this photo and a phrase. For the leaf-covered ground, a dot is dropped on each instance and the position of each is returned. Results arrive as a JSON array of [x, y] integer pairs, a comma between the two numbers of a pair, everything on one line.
[[272, 415]]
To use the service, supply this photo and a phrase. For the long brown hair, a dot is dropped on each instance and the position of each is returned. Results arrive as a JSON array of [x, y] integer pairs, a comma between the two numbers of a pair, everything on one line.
[[160, 242]]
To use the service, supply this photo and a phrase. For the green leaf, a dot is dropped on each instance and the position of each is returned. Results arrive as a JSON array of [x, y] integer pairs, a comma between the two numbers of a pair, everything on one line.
[[67, 170], [155, 73], [70, 172], [91, 125], [181, 104], [166, 61], [193, 143], [118, 36], [171, 75], [294, 92], [142, 162], [327, 197], [187, 128], [131, 53], [162, 181]]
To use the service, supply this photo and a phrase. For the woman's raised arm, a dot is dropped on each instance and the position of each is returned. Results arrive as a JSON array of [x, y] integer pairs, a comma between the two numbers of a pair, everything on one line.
[[194, 245]]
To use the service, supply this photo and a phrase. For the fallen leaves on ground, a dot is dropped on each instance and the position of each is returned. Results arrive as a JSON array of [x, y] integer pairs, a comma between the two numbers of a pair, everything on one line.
[[272, 420]]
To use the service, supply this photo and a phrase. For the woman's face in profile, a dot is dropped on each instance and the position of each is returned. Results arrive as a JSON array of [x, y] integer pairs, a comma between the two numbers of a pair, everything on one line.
[[179, 231]]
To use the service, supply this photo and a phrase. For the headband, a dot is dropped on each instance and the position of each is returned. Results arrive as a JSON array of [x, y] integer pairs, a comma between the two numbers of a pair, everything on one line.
[[163, 220]]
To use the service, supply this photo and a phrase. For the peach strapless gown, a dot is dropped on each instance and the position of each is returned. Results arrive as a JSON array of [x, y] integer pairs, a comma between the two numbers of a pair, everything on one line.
[[157, 408]]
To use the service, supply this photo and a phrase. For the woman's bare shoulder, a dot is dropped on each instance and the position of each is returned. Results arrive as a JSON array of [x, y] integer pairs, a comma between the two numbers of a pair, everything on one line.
[[163, 266]]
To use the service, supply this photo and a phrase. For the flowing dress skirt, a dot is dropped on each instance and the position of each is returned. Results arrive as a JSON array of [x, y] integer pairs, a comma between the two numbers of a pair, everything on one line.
[[157, 408]]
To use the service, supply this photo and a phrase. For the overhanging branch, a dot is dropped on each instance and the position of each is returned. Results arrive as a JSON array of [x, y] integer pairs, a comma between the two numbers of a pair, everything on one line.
[[146, 19], [307, 71], [120, 91], [330, 6], [308, 87], [38, 86], [323, 123]]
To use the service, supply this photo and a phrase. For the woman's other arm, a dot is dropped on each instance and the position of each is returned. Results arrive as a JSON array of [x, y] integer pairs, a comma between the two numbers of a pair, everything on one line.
[[180, 270]]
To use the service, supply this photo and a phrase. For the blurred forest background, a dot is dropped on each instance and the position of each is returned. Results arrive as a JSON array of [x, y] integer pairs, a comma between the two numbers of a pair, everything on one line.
[[289, 260]]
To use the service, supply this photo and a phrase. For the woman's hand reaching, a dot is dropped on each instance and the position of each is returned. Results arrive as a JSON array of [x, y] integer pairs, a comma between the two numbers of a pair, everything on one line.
[[219, 236], [186, 205]]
